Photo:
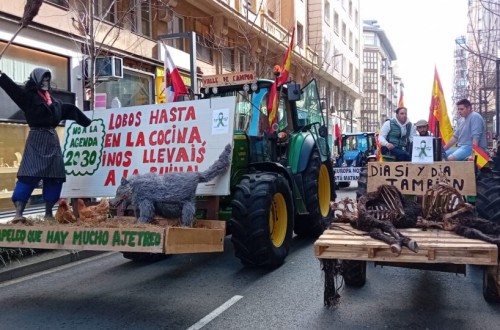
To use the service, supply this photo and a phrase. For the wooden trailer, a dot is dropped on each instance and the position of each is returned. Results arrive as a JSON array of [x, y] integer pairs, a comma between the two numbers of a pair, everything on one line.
[[121, 235], [438, 249]]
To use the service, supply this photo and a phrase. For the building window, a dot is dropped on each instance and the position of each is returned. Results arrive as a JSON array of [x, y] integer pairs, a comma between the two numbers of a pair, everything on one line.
[[176, 25], [243, 62], [228, 54], [350, 40], [327, 12], [136, 88], [105, 10], [344, 32], [141, 18], [300, 35], [336, 23], [204, 46], [18, 62]]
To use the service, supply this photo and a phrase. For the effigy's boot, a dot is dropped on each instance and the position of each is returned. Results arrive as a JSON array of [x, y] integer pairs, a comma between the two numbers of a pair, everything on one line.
[[19, 218], [48, 211]]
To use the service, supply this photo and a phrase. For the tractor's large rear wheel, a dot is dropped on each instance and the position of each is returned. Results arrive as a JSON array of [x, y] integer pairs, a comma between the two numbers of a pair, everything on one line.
[[262, 219], [319, 190], [488, 196]]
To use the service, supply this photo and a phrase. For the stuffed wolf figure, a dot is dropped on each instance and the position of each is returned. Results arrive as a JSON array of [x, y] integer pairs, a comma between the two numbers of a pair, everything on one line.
[[170, 195]]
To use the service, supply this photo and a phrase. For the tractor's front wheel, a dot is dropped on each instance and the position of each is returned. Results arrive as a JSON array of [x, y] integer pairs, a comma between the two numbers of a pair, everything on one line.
[[262, 219], [319, 190]]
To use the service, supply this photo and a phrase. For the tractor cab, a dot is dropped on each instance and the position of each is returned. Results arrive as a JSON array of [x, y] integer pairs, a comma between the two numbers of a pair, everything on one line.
[[298, 110], [356, 148]]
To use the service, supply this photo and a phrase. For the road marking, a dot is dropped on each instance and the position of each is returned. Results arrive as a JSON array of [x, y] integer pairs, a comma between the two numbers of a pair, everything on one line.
[[53, 270], [219, 310]]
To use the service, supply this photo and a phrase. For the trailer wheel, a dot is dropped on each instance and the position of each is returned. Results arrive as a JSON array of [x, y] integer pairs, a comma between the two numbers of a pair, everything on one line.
[[488, 197], [354, 272], [262, 220], [319, 191], [491, 289], [144, 256]]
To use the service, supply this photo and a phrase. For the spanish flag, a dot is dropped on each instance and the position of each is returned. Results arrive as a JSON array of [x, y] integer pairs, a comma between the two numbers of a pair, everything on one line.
[[401, 102], [481, 156], [438, 112], [378, 152], [272, 103]]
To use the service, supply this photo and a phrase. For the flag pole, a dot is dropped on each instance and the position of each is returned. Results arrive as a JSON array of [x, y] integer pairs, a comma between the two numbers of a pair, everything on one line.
[[437, 144]]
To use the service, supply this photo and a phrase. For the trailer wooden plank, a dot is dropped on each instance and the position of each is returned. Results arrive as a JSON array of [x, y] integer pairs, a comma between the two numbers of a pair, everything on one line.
[[207, 236], [435, 246], [122, 234], [65, 237]]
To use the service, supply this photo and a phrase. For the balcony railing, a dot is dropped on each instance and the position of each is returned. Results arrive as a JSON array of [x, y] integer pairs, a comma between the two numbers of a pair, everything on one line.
[[273, 29]]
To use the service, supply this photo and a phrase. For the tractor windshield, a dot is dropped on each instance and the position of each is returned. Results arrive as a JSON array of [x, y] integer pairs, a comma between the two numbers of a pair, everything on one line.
[[309, 106], [359, 142]]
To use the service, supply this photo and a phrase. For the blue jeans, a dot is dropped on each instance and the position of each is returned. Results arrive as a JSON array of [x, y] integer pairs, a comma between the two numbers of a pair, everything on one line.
[[460, 153], [400, 154], [25, 186]]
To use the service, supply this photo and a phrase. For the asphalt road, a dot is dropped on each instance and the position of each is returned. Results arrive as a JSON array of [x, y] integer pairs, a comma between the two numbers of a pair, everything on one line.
[[213, 291]]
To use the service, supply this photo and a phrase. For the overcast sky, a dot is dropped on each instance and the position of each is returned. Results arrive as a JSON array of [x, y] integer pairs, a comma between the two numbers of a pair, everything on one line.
[[422, 34]]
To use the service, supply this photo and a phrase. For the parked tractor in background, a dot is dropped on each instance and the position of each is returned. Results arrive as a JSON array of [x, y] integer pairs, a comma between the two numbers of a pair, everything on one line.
[[353, 154]]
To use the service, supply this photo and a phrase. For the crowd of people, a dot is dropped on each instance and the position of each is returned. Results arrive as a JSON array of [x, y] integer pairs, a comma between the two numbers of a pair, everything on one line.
[[396, 134]]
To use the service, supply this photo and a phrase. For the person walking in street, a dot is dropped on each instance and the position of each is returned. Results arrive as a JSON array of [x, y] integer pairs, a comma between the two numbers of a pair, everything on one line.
[[471, 131], [422, 127], [396, 135], [42, 158]]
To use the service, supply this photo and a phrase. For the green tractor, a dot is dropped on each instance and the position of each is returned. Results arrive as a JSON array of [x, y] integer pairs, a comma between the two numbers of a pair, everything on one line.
[[282, 180]]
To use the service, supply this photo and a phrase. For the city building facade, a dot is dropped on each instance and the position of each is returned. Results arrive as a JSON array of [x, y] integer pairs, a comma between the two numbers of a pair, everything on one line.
[[481, 47], [381, 86], [231, 36]]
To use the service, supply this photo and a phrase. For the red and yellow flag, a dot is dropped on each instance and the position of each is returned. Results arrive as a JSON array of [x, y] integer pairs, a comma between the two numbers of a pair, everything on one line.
[[272, 103], [401, 102], [438, 112], [482, 157], [378, 152]]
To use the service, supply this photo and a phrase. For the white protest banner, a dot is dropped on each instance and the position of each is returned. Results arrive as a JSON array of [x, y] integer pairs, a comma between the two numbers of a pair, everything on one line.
[[347, 173], [167, 137]]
